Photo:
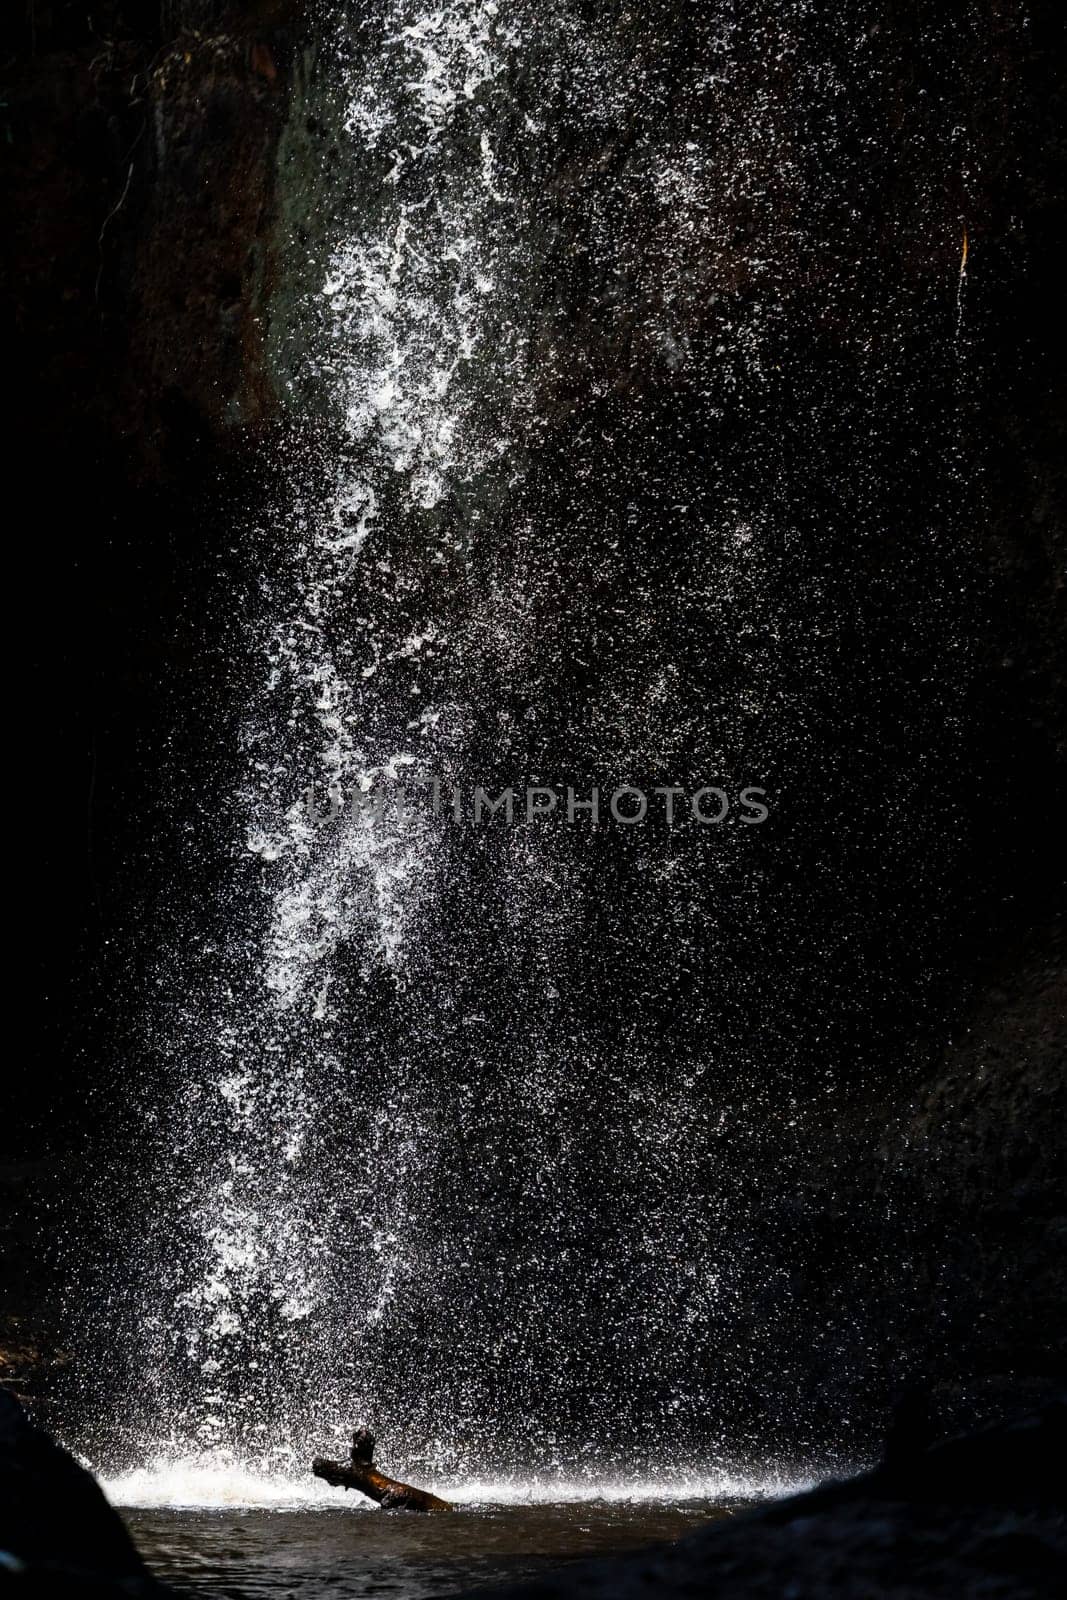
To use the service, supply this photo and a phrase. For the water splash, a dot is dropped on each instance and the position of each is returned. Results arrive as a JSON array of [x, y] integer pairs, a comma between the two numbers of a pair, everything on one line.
[[466, 1124], [193, 1485], [342, 708]]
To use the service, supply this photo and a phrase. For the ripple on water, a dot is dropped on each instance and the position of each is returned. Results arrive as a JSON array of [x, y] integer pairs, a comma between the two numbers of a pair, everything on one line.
[[265, 1552]]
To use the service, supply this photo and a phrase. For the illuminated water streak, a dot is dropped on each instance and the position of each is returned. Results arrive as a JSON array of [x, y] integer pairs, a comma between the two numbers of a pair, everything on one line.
[[403, 359]]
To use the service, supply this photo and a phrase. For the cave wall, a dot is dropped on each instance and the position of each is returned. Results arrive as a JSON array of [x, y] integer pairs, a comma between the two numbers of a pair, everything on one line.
[[139, 174], [975, 1166]]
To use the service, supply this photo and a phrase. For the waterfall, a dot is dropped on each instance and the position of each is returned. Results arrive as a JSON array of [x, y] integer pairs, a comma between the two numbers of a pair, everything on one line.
[[470, 1117], [312, 1221]]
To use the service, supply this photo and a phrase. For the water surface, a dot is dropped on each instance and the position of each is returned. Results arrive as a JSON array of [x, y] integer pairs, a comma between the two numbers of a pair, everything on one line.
[[350, 1550]]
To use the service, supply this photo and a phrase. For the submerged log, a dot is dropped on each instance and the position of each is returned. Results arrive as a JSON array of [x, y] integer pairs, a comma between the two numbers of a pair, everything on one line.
[[360, 1473]]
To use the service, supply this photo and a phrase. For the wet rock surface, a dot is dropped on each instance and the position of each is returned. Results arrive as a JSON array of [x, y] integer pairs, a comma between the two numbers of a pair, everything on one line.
[[28, 1359], [980, 1516], [57, 1532], [138, 170], [977, 1166]]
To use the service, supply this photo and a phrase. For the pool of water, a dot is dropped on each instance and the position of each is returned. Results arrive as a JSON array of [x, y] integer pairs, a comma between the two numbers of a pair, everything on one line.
[[352, 1549]]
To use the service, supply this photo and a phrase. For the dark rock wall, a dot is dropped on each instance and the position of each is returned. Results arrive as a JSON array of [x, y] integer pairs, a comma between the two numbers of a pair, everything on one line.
[[140, 178], [975, 1168], [972, 1516]]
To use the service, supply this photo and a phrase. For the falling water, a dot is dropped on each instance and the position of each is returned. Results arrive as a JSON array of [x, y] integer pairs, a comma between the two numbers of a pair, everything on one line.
[[464, 1120]]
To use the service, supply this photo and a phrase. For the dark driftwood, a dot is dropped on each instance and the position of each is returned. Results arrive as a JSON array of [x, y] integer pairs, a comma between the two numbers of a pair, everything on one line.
[[360, 1473]]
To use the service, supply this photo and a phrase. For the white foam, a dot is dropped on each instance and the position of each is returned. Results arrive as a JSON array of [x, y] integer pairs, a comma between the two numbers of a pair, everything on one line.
[[195, 1485], [636, 1491]]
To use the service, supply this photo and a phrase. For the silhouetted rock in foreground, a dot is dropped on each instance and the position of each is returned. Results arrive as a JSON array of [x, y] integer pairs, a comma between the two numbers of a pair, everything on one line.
[[975, 1518], [58, 1534]]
